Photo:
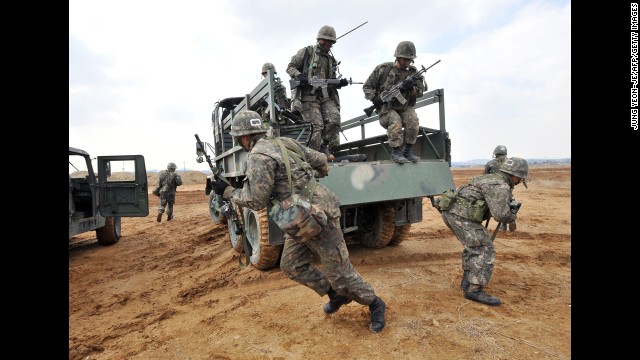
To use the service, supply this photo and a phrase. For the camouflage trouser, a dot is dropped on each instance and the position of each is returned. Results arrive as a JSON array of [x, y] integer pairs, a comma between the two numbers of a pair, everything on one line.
[[395, 120], [167, 200], [324, 116], [338, 273], [478, 254]]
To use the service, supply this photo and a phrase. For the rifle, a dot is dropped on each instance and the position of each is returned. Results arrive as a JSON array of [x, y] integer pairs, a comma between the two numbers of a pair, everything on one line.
[[394, 92], [515, 207], [320, 84]]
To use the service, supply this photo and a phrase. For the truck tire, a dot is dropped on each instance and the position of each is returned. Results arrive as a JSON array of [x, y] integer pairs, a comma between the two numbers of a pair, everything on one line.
[[263, 255], [379, 222], [234, 239], [400, 234], [215, 203], [110, 233]]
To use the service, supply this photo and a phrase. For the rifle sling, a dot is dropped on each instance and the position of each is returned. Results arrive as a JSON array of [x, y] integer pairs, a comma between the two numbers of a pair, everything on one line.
[[299, 158]]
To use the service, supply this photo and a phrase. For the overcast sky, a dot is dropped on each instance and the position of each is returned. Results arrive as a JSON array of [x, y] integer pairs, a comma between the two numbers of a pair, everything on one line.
[[144, 75]]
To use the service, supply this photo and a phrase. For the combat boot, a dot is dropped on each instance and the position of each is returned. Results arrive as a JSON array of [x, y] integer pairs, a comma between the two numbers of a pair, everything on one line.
[[408, 155], [159, 218], [396, 155], [377, 309], [324, 148], [335, 302], [475, 293], [464, 284], [169, 217]]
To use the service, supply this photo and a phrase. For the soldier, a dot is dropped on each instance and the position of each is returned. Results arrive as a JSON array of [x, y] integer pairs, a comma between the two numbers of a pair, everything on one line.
[[323, 113], [267, 178], [500, 155], [483, 197], [394, 116], [280, 95], [168, 182]]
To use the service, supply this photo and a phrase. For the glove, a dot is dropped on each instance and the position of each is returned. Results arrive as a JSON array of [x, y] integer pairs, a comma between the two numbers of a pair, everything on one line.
[[219, 187], [512, 226], [407, 85], [377, 101], [343, 82], [303, 79]]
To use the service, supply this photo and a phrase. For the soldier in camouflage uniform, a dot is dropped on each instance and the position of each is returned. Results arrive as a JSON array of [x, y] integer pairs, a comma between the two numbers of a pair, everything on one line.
[[280, 95], [266, 178], [500, 155], [323, 113], [485, 196], [167, 185], [394, 116]]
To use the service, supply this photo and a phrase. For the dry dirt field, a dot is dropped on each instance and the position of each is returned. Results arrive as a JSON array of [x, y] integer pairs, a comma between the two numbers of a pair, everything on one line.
[[174, 290]]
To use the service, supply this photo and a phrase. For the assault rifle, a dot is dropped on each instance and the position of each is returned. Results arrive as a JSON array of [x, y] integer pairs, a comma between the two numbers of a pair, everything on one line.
[[394, 92], [515, 207], [320, 84]]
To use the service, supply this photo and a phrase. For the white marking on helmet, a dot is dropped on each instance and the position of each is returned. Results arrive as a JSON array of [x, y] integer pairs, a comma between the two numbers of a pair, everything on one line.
[[255, 123]]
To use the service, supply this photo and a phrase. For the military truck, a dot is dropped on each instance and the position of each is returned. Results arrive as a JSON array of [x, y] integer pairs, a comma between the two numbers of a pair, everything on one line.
[[97, 201], [380, 199]]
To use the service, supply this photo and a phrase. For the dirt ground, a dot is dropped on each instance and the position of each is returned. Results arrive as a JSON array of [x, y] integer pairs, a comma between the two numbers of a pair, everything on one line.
[[175, 290]]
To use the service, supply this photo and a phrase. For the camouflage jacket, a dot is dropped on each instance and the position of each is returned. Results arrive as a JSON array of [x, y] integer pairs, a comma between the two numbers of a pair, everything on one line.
[[493, 165], [495, 189], [319, 63], [168, 182], [266, 177], [375, 84]]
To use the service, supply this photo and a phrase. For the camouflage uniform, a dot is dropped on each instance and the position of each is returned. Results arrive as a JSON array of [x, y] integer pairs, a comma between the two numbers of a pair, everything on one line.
[[266, 176], [494, 164], [400, 121], [280, 95], [168, 183], [323, 113]]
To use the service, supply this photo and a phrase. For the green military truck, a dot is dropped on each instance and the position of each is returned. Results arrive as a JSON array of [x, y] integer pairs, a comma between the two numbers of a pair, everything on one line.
[[380, 199], [97, 200]]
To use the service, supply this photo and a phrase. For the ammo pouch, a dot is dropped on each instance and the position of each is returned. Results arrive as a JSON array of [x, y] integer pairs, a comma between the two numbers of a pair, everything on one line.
[[477, 208], [296, 215], [446, 200]]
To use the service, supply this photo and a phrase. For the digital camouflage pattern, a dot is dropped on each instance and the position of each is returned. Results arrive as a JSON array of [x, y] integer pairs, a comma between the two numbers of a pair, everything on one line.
[[266, 176], [479, 254], [493, 165], [322, 113], [297, 217], [168, 183], [400, 121]]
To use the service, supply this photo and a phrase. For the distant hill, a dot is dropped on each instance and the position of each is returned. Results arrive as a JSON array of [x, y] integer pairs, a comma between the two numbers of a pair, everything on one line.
[[482, 162]]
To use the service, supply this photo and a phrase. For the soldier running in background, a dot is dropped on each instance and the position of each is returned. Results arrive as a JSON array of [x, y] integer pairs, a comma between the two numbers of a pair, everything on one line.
[[499, 156], [169, 180]]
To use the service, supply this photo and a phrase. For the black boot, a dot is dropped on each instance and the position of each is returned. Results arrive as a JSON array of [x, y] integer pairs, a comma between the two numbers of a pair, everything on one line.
[[324, 148], [464, 284], [408, 155], [396, 155], [377, 309], [335, 302], [159, 218], [475, 293], [169, 217]]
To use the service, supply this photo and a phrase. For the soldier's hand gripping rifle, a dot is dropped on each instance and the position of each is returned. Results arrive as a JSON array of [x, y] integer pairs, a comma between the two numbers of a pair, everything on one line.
[[515, 207], [394, 92], [322, 84]]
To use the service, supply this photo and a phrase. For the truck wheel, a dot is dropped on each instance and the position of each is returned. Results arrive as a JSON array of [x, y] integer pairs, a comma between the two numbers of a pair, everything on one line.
[[400, 234], [378, 225], [263, 255], [234, 239], [110, 233], [215, 204]]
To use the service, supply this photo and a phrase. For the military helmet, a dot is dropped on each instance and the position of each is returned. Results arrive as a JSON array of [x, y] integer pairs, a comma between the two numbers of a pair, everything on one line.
[[516, 166], [247, 123], [171, 166], [500, 150], [327, 32], [268, 66], [405, 49]]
